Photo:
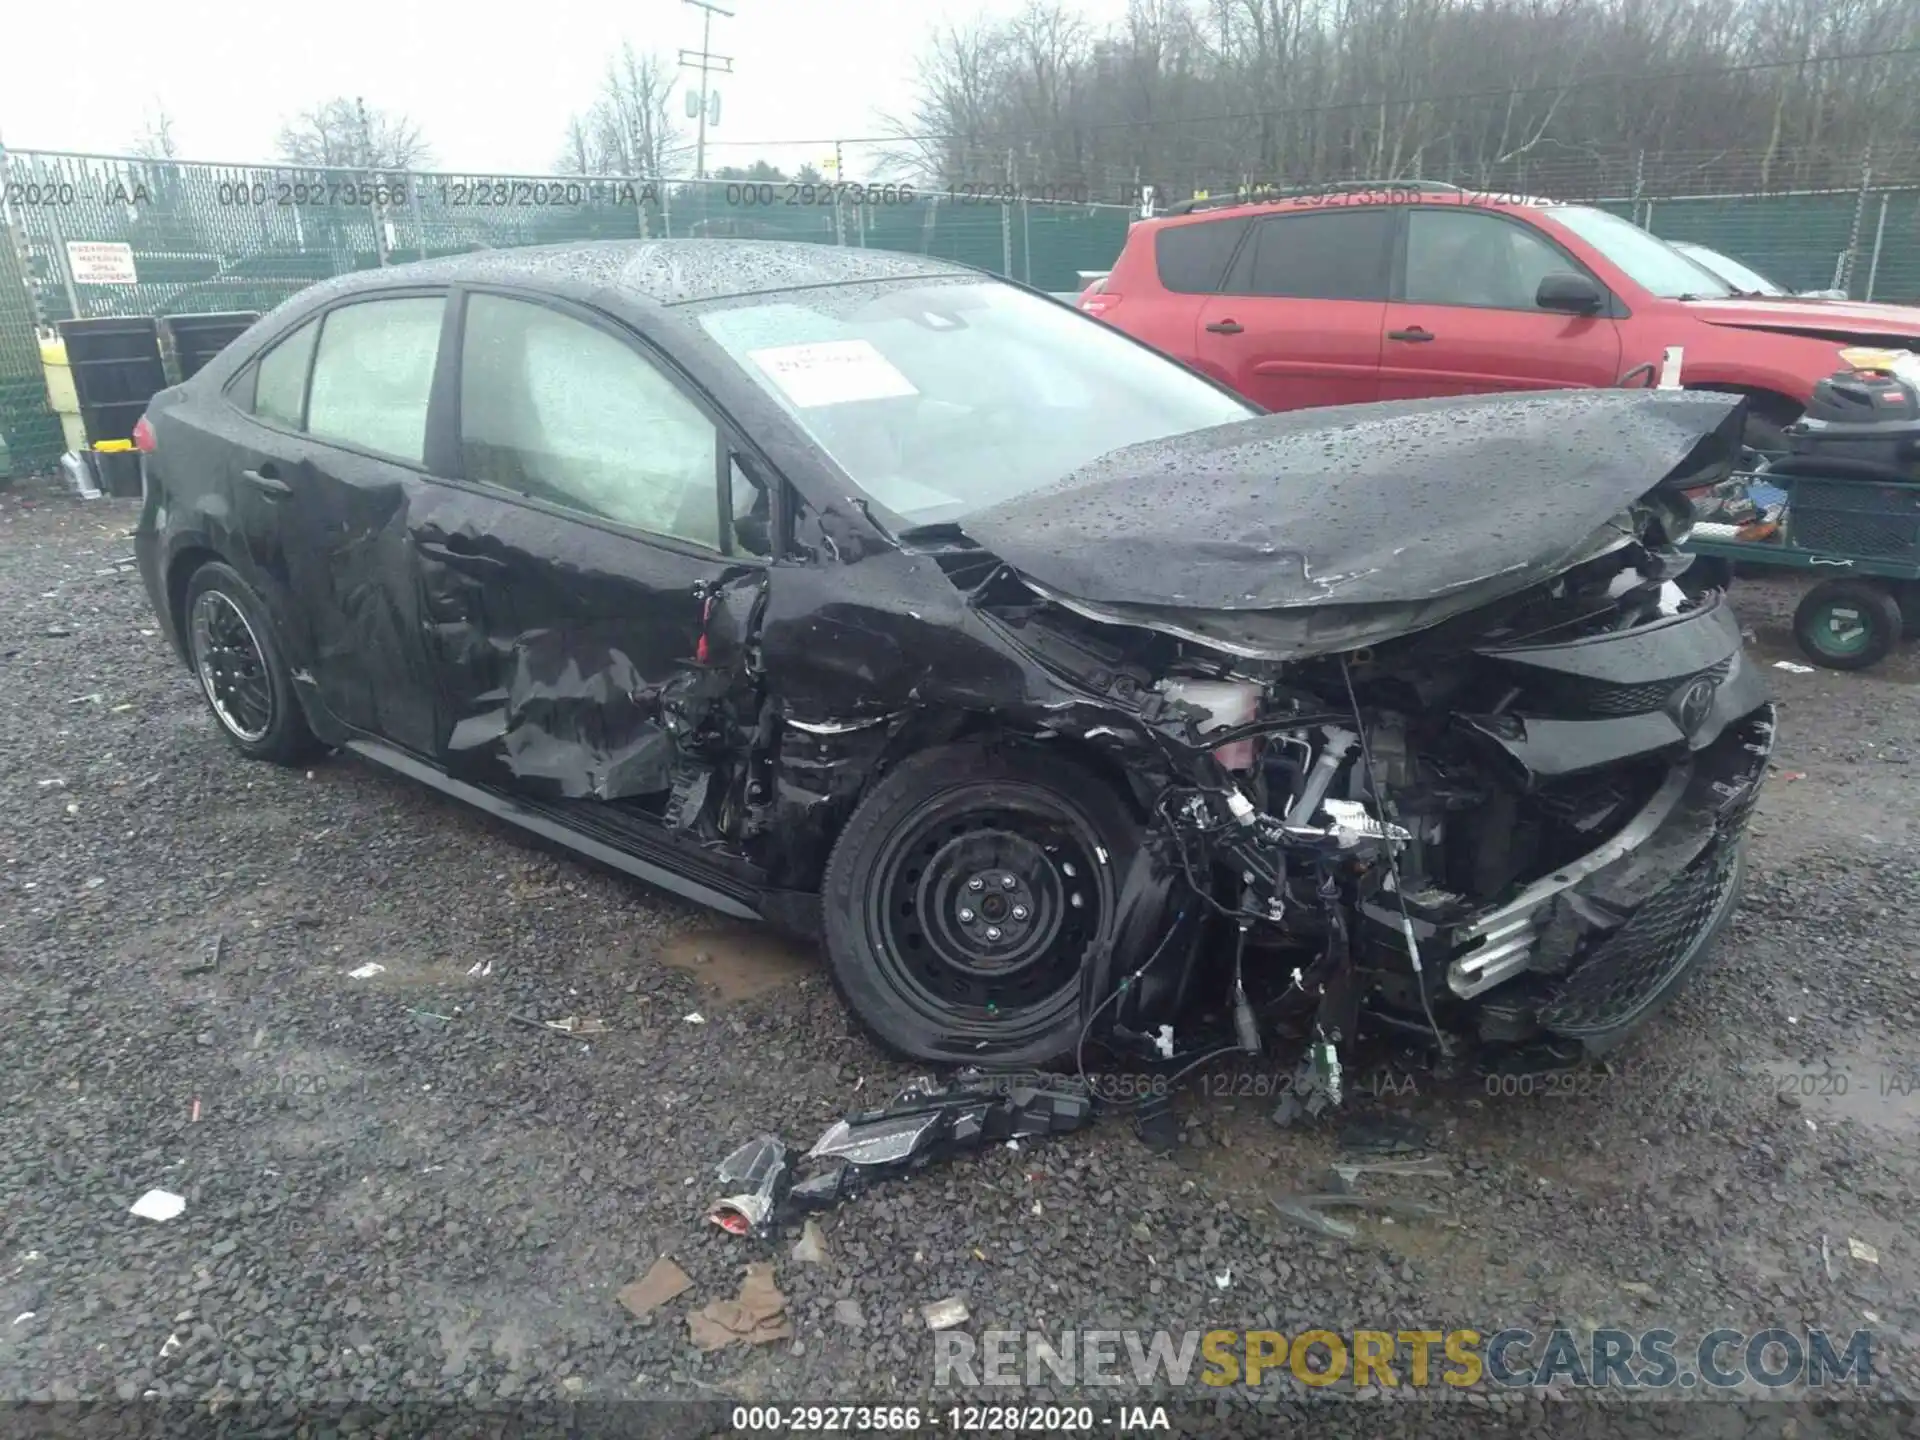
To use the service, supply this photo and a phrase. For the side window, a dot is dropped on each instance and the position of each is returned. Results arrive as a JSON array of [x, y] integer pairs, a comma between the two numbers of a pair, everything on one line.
[[280, 377], [1463, 257], [372, 375], [1192, 258], [1321, 255], [563, 411]]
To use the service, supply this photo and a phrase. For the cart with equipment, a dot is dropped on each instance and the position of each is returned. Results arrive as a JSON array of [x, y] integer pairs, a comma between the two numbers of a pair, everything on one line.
[[1843, 504]]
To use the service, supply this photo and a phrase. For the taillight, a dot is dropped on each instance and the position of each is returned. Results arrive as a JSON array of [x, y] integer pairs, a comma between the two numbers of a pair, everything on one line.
[[143, 436]]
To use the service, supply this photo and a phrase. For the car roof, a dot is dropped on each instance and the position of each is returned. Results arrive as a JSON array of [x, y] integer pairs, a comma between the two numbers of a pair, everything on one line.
[[1388, 193], [665, 272]]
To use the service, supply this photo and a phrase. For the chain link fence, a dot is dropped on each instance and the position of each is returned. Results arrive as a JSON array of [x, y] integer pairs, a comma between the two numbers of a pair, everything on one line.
[[202, 237], [164, 237]]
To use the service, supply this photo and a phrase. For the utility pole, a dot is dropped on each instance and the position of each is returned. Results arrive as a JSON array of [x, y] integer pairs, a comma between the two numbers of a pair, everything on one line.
[[705, 61]]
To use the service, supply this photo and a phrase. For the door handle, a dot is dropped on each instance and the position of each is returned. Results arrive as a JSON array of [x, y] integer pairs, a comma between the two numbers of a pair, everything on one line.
[[457, 557], [1226, 327], [1414, 333], [267, 480]]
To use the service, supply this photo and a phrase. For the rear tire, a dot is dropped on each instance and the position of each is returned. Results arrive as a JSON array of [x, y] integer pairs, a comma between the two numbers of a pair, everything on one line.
[[964, 896], [1847, 624], [240, 669]]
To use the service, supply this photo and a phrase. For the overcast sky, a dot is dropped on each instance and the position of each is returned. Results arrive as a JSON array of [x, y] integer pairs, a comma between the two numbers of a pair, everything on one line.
[[490, 89]]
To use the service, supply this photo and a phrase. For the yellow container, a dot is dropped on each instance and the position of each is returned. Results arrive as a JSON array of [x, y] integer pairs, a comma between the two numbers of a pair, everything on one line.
[[61, 395], [114, 447]]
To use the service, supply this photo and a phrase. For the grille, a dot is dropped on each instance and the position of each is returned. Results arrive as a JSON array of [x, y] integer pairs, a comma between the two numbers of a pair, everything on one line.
[[1613, 700], [1642, 960]]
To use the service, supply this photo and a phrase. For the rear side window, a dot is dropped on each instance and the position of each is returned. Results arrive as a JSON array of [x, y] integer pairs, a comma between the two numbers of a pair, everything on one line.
[[373, 374], [1323, 255], [280, 379], [1192, 259]]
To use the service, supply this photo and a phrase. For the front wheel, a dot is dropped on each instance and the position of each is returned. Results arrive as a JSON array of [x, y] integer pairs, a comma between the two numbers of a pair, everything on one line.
[[1847, 624], [240, 668], [965, 895]]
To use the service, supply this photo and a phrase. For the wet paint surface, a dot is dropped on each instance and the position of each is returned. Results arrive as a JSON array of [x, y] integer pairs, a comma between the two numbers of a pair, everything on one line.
[[1390, 504]]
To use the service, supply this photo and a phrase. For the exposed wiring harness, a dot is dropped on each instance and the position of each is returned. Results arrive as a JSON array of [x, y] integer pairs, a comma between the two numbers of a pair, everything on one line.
[[1126, 984], [1393, 861], [1194, 883]]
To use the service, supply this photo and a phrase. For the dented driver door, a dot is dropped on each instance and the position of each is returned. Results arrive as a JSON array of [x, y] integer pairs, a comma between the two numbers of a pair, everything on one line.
[[565, 572]]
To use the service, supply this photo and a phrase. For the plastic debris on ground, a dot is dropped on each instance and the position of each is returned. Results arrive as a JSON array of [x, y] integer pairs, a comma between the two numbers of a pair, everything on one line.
[[210, 961], [760, 1185], [1306, 1211], [945, 1314], [756, 1317], [696, 1018], [756, 1178], [367, 971], [1860, 1250], [811, 1247], [663, 1282], [578, 1025], [1427, 1167], [158, 1205], [1383, 1135], [1793, 666]]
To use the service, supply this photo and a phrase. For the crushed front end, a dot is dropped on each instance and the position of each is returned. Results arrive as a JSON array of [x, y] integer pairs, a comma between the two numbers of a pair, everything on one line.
[[1512, 818]]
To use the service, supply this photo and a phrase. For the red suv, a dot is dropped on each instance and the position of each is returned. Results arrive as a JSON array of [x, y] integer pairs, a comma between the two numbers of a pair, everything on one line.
[[1396, 292]]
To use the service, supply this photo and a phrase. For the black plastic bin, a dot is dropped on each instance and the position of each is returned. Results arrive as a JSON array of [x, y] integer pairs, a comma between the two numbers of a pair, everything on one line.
[[196, 339], [117, 472], [116, 371]]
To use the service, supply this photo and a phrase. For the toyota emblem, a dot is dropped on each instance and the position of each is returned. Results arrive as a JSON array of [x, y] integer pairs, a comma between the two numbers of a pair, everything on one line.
[[1692, 703]]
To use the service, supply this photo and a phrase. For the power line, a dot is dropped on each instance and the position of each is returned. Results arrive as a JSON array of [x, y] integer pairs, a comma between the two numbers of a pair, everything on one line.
[[1000, 136]]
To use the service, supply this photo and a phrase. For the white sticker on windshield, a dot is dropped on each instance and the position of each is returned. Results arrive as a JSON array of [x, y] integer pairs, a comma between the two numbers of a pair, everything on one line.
[[832, 372]]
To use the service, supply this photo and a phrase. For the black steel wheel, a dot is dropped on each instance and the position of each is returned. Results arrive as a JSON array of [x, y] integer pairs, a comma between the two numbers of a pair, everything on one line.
[[964, 896], [240, 669]]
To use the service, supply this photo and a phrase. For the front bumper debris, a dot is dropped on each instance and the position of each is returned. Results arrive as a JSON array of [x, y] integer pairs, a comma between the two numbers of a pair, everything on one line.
[[923, 1124], [1590, 948]]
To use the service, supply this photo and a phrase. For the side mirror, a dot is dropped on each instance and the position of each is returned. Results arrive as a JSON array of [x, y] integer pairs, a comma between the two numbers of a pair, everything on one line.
[[1568, 292], [754, 534]]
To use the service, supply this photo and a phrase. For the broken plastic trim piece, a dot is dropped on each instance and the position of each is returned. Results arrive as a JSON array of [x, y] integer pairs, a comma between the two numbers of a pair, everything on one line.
[[760, 1188], [838, 727], [760, 1169]]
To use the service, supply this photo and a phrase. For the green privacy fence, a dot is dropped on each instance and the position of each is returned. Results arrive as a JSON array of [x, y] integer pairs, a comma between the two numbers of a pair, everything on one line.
[[1866, 242], [91, 235]]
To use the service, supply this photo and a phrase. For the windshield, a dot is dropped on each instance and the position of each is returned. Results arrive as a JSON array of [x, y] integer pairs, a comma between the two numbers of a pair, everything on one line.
[[1741, 277], [1650, 262], [944, 397]]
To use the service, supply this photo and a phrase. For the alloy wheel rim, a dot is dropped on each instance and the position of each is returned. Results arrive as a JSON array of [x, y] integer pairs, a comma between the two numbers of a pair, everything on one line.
[[232, 668]]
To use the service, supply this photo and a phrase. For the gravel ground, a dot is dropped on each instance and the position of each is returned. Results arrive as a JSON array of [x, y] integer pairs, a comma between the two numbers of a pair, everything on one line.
[[395, 1194]]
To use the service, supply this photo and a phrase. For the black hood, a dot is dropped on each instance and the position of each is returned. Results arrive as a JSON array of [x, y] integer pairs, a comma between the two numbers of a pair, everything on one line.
[[1391, 516]]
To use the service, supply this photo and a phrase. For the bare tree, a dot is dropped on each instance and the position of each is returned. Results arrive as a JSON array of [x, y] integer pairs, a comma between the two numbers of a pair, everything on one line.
[[349, 134], [155, 140], [1559, 96], [629, 128]]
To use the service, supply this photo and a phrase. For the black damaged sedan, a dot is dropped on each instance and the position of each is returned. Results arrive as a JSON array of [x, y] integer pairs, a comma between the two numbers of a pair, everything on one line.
[[1066, 698]]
